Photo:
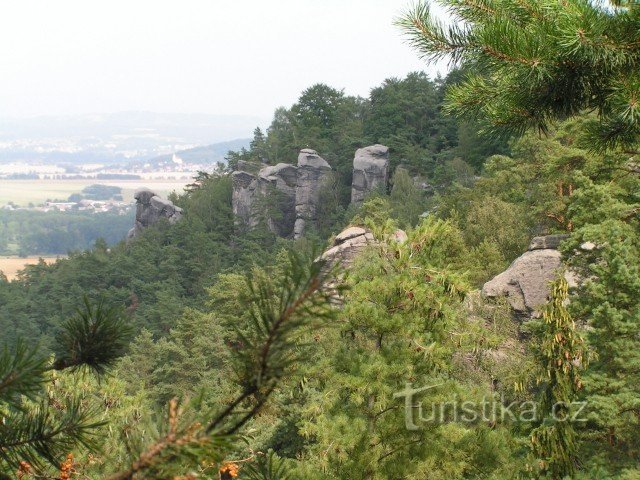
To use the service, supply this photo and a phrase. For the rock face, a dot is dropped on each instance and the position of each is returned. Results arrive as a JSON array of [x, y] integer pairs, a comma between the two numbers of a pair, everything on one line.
[[244, 185], [150, 208], [276, 184], [280, 181], [525, 283], [293, 193], [370, 171], [313, 172], [547, 242]]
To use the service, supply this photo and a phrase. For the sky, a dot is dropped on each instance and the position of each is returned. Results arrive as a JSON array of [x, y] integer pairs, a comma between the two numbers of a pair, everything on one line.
[[229, 57]]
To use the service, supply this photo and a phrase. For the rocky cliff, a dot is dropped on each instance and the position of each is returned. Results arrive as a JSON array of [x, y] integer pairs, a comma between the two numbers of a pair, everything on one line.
[[288, 196], [150, 209], [270, 193]]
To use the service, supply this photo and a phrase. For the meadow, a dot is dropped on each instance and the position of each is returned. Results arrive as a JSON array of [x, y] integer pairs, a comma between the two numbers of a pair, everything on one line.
[[25, 192]]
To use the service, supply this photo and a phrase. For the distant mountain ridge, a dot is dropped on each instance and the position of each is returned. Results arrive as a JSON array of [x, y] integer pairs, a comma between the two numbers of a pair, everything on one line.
[[207, 154], [116, 137]]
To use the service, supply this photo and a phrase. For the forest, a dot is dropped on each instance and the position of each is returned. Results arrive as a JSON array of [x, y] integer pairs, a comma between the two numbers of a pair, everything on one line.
[[31, 232], [205, 350]]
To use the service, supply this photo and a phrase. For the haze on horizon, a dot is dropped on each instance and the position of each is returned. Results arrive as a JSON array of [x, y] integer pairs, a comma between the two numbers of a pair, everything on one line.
[[230, 57]]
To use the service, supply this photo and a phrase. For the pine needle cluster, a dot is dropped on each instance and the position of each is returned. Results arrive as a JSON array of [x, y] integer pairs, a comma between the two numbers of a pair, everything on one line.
[[530, 62]]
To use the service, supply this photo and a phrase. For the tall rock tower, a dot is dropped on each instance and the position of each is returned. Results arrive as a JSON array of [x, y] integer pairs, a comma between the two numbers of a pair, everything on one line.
[[268, 194], [313, 172], [370, 171]]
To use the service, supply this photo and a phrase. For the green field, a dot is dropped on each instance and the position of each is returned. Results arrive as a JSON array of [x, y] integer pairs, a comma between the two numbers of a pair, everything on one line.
[[23, 192]]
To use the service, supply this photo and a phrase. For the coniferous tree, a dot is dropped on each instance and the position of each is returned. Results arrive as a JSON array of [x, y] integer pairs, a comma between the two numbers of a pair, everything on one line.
[[32, 436], [560, 353], [530, 63]]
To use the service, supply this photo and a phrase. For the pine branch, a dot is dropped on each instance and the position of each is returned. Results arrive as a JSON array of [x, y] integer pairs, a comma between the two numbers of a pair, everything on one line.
[[281, 312], [277, 321], [541, 62], [431, 38], [95, 337], [21, 374], [38, 437]]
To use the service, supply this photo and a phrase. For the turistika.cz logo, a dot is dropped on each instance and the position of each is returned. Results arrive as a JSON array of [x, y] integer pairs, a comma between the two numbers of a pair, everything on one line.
[[489, 409]]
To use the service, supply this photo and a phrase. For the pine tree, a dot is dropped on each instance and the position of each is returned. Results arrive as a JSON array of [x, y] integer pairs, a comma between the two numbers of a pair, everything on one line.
[[402, 304], [407, 200], [529, 62], [280, 312], [605, 252], [31, 437], [560, 354]]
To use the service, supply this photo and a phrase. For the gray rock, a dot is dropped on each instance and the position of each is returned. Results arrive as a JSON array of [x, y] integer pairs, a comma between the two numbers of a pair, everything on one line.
[[279, 182], [143, 196], [272, 190], [310, 158], [370, 171], [313, 173], [547, 241], [525, 283], [349, 233], [244, 186], [248, 166], [347, 245], [150, 209]]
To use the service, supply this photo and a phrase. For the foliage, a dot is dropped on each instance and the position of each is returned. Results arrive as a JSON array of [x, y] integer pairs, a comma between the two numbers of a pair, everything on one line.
[[560, 352], [604, 251], [33, 434], [27, 232], [95, 337], [530, 63]]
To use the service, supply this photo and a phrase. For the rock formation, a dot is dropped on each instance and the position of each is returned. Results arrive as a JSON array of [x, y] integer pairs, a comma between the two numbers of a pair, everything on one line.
[[525, 283], [313, 172], [347, 245], [277, 185], [351, 241], [280, 183], [244, 186], [293, 193], [370, 171], [150, 208]]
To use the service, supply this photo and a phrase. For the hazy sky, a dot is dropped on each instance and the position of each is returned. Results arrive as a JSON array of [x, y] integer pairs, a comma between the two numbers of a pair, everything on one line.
[[242, 57]]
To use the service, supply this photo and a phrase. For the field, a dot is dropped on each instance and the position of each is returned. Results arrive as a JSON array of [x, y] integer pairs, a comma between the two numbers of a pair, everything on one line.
[[11, 265], [23, 192]]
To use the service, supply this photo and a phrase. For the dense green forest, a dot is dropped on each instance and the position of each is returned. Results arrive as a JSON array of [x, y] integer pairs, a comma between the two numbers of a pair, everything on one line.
[[202, 350], [30, 232]]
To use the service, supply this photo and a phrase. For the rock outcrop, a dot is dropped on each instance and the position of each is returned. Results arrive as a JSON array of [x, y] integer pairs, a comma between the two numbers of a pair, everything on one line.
[[313, 172], [547, 242], [347, 245], [525, 283], [370, 171], [150, 209], [276, 185], [279, 183], [293, 192], [244, 186]]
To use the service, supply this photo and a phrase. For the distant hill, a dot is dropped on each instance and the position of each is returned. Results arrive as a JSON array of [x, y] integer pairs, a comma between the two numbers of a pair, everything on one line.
[[208, 154], [115, 137]]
